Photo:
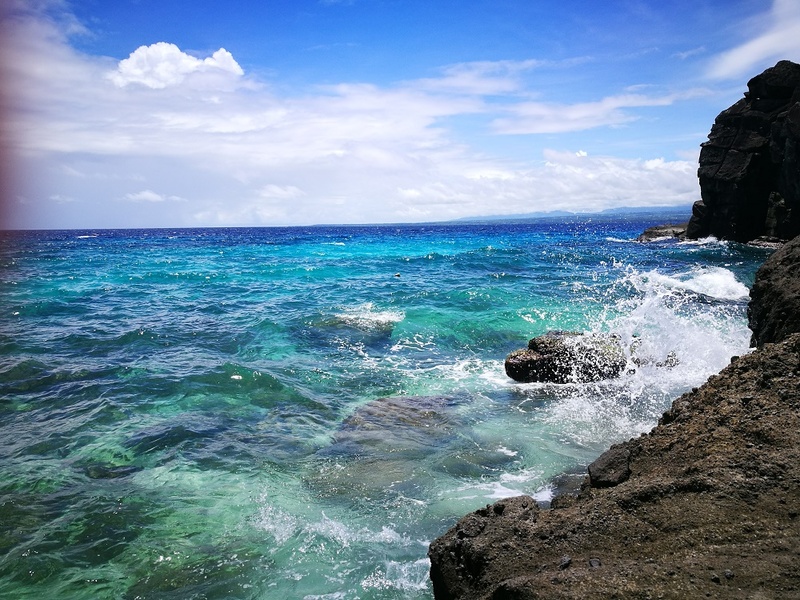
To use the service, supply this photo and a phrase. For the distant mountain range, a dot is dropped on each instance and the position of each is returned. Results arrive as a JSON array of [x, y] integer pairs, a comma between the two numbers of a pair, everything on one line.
[[672, 211]]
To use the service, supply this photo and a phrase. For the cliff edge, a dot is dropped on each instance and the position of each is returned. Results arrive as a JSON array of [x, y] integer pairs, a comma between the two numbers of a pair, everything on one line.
[[705, 505], [749, 168]]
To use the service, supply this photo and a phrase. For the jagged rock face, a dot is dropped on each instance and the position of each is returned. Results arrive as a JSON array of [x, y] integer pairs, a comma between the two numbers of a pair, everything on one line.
[[750, 166], [774, 309]]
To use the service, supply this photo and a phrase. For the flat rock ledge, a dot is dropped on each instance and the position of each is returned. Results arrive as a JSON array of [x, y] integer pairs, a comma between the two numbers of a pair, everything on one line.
[[663, 232], [707, 505]]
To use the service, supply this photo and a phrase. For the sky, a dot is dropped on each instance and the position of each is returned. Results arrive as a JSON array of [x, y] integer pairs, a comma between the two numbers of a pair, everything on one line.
[[153, 113]]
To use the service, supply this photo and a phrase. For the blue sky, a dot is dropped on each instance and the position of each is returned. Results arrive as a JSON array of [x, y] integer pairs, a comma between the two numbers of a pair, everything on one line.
[[137, 113]]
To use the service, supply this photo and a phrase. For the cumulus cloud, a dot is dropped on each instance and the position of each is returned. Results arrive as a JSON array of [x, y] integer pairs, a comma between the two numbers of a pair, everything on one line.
[[161, 65], [779, 38]]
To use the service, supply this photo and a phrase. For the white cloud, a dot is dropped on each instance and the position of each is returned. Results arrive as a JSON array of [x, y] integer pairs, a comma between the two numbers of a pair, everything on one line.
[[161, 65], [689, 53], [481, 77], [234, 152], [150, 196], [488, 78], [280, 191], [542, 117], [779, 39]]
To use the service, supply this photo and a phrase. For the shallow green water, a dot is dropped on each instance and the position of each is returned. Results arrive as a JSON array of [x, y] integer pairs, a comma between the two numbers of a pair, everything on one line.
[[204, 413]]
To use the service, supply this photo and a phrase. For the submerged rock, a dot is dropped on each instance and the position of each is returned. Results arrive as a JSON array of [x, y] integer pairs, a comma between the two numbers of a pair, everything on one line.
[[387, 447], [101, 471], [567, 357], [399, 425]]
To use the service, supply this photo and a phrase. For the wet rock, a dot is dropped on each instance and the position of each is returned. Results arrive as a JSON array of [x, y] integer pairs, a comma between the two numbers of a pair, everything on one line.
[[662, 232], [477, 542], [567, 357]]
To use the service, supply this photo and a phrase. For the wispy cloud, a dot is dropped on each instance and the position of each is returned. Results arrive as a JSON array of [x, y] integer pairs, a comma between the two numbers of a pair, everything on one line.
[[151, 196], [480, 78], [542, 117], [778, 38], [690, 53]]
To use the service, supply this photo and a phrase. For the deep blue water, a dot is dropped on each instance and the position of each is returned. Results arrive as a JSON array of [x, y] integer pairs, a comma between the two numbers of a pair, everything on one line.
[[298, 412]]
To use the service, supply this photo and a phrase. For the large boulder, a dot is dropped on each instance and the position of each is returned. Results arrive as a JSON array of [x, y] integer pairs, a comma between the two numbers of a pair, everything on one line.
[[774, 309], [567, 357], [750, 166], [705, 505]]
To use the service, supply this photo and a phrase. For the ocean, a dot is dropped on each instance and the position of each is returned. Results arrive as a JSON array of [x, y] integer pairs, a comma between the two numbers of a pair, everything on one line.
[[296, 413]]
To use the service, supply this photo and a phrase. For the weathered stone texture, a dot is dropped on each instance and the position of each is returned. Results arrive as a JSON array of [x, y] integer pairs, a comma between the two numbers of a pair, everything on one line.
[[749, 168]]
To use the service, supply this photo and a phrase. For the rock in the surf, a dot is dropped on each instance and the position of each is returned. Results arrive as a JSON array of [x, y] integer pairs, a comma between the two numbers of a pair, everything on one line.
[[567, 357], [661, 232]]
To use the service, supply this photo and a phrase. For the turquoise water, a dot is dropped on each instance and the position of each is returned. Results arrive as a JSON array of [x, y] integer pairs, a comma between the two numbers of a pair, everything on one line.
[[297, 413]]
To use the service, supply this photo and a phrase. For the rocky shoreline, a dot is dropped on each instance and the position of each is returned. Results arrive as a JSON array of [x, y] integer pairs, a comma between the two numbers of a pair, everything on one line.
[[705, 505], [708, 503]]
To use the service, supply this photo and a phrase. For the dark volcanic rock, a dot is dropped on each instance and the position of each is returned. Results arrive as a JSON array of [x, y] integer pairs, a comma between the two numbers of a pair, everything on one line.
[[567, 357], [660, 232], [611, 468], [774, 310], [705, 505], [750, 166]]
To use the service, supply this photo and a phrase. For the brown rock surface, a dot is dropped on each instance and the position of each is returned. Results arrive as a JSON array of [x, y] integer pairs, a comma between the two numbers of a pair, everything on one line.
[[774, 309], [710, 507]]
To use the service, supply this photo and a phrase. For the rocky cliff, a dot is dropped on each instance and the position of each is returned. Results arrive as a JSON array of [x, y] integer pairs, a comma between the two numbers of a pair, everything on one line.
[[750, 166], [705, 505], [774, 311]]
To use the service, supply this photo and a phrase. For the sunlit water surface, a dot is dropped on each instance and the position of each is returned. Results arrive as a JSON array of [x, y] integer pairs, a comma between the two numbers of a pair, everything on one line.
[[297, 413]]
